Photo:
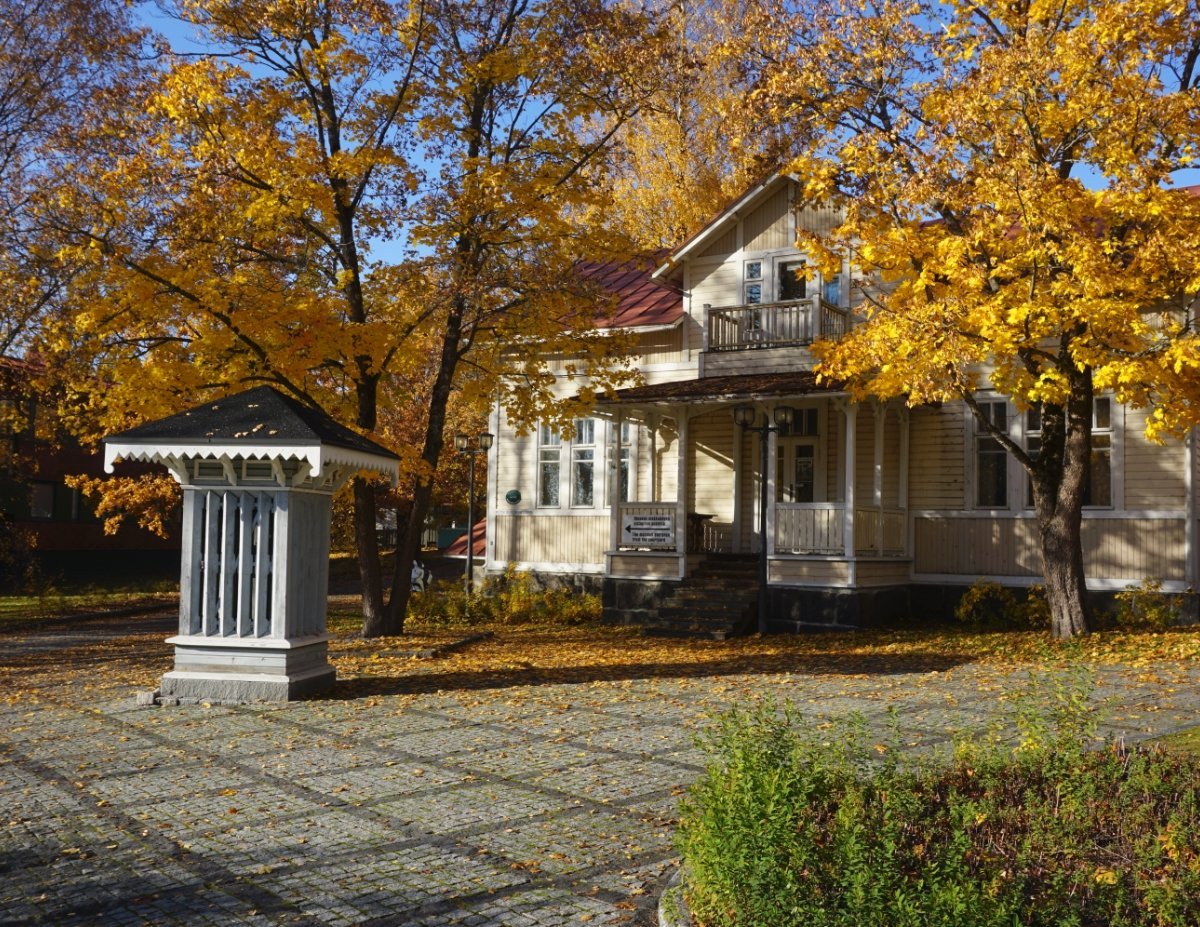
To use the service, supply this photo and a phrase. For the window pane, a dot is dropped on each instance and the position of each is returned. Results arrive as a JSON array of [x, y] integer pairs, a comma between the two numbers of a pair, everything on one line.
[[41, 501], [548, 478], [802, 490], [992, 470], [833, 290], [753, 293], [549, 437], [585, 431], [754, 270], [1103, 414], [1099, 486], [791, 280], [582, 478], [623, 476]]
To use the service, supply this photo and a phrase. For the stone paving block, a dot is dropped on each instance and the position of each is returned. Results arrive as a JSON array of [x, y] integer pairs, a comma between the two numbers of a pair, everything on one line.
[[612, 781], [380, 782], [445, 741], [472, 806]]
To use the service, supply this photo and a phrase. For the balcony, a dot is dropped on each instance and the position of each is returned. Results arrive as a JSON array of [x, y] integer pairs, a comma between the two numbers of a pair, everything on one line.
[[774, 325]]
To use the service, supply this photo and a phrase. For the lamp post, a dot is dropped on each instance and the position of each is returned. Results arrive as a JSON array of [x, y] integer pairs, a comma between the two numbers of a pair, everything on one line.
[[471, 445], [744, 417]]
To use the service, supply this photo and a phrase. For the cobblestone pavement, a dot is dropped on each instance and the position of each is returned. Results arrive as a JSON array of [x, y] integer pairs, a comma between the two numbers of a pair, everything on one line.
[[536, 806]]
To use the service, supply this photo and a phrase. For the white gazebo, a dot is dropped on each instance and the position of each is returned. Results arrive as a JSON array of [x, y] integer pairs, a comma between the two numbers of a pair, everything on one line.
[[258, 472]]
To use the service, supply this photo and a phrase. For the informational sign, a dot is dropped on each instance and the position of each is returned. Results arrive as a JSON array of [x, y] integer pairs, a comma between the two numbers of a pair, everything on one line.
[[657, 531]]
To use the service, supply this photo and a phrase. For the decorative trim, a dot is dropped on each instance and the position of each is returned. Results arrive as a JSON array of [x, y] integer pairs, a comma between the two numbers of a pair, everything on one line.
[[317, 456]]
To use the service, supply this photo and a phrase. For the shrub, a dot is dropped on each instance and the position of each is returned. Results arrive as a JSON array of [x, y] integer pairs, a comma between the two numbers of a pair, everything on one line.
[[987, 604], [794, 827], [513, 598], [1145, 607]]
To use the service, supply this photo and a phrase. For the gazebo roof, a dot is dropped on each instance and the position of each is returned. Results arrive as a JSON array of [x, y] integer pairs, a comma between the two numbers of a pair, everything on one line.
[[262, 424]]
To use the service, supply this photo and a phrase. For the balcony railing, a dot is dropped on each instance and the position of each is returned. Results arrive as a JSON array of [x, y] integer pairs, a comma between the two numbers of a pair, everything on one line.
[[773, 325]]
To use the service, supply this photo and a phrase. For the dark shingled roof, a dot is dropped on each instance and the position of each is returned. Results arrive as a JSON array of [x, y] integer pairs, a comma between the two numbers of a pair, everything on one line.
[[262, 415], [741, 386]]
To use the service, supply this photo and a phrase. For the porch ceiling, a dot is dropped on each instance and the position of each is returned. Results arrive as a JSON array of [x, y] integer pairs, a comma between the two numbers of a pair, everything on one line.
[[739, 387]]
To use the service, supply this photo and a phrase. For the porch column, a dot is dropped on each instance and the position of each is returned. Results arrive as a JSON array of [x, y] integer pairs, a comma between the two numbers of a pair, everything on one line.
[[768, 474], [681, 487], [902, 483], [879, 410], [614, 484], [652, 425], [850, 411], [738, 475]]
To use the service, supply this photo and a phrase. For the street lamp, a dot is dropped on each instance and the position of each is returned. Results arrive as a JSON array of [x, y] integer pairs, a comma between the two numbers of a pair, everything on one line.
[[471, 445], [743, 416]]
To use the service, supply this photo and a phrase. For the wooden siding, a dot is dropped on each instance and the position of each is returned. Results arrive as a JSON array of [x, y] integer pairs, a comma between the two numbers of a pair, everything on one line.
[[835, 425], [820, 220], [882, 572], [808, 572], [640, 566], [1122, 549], [762, 360], [661, 347], [1154, 473], [710, 465], [715, 284], [550, 538], [891, 460], [864, 456], [724, 245], [767, 228], [936, 478]]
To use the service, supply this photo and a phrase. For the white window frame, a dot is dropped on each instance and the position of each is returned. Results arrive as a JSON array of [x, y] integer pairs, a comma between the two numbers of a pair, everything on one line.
[[583, 451], [978, 434], [750, 280], [1111, 433], [629, 448], [549, 452]]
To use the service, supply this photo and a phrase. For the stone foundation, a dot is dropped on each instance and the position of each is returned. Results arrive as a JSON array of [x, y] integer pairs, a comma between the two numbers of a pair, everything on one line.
[[247, 670]]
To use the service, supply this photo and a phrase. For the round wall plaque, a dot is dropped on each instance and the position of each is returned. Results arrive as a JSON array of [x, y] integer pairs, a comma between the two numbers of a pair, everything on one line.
[[513, 496]]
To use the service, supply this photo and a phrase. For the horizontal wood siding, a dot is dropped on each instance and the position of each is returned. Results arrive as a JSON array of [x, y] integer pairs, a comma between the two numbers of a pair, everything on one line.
[[767, 227], [833, 453], [716, 285], [550, 539], [711, 465], [761, 360], [1154, 473], [1121, 549], [936, 478], [882, 572], [864, 455], [808, 572], [891, 460], [657, 566]]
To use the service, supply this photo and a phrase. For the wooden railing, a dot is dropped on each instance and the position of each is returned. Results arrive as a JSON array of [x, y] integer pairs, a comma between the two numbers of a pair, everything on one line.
[[809, 528], [771, 325], [819, 528], [880, 531]]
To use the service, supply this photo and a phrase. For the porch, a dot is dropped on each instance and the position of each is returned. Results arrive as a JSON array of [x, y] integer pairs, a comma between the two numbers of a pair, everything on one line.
[[834, 487]]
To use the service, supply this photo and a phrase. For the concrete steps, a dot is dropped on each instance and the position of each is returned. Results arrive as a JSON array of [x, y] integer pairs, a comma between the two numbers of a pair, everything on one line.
[[718, 601]]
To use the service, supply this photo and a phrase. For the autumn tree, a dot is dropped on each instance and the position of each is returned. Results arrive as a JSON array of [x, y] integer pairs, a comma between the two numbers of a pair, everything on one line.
[[359, 201], [1006, 169], [53, 55]]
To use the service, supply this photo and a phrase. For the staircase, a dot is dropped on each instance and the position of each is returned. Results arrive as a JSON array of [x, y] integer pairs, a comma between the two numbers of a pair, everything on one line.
[[719, 600]]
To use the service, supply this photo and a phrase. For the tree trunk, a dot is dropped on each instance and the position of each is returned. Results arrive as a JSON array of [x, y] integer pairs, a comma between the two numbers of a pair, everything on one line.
[[408, 545], [366, 542], [1059, 480]]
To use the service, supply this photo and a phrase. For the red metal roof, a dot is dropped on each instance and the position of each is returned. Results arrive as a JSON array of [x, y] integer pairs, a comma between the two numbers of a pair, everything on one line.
[[641, 301], [458, 548]]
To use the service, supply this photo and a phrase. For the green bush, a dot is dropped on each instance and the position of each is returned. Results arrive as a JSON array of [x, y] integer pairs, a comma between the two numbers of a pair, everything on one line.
[[795, 827], [512, 598], [1145, 607], [987, 604]]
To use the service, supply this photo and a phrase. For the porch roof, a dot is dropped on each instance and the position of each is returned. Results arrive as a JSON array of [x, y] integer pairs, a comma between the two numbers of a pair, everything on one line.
[[740, 386]]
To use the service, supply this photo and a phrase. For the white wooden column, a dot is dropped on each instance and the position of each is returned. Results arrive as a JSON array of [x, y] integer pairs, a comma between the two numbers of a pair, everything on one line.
[[738, 476], [850, 411], [768, 474], [879, 411], [614, 483], [681, 487], [902, 481], [652, 425]]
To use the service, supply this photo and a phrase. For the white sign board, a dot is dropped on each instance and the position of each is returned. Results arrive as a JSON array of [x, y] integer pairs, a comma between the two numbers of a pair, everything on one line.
[[656, 531]]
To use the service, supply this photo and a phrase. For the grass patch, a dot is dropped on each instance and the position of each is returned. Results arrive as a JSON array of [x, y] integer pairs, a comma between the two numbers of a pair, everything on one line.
[[1184, 742], [18, 610]]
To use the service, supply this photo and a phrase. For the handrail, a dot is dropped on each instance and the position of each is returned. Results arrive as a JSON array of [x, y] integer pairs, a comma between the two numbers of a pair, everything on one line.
[[770, 325]]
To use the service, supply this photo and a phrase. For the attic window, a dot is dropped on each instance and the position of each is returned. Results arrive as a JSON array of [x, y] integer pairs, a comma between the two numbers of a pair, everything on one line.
[[258, 471], [208, 470]]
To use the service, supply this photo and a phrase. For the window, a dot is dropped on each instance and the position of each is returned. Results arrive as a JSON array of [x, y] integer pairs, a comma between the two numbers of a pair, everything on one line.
[[41, 500], [991, 459], [752, 283], [625, 463], [832, 290], [795, 472], [804, 422], [791, 280], [1097, 491], [583, 463], [549, 455]]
